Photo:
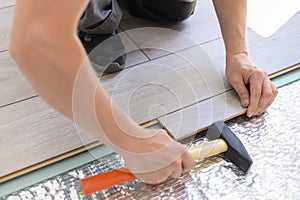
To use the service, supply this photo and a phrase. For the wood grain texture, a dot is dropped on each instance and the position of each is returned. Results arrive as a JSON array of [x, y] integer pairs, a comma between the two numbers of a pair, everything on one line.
[[272, 54], [279, 51], [32, 132], [190, 120], [134, 55], [13, 85], [6, 15], [6, 3], [201, 27], [165, 85]]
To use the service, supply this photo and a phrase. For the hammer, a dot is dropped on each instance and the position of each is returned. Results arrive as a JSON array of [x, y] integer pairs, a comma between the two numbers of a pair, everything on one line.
[[222, 139]]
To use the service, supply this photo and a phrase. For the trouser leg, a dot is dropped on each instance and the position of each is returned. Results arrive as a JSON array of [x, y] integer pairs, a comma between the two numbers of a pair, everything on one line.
[[100, 17], [168, 11]]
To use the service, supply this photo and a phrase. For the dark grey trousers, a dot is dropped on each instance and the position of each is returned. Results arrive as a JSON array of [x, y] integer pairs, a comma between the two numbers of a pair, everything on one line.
[[104, 16]]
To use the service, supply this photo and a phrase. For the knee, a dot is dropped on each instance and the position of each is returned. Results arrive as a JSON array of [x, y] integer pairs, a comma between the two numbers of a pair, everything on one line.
[[168, 11], [179, 10]]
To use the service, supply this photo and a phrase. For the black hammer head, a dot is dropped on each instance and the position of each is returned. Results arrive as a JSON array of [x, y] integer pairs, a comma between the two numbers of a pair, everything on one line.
[[236, 151]]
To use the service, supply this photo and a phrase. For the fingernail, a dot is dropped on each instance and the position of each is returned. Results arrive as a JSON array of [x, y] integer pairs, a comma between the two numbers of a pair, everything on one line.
[[245, 102], [249, 114]]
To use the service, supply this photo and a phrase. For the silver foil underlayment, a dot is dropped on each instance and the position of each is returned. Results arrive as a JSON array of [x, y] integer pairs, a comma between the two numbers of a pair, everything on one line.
[[272, 140]]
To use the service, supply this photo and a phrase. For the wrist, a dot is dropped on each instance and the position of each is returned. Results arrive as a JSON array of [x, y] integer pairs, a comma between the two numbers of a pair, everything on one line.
[[237, 59], [236, 55]]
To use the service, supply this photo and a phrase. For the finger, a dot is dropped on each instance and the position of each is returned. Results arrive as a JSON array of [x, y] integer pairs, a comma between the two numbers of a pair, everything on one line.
[[275, 93], [240, 87], [188, 162], [177, 171], [256, 82], [266, 95]]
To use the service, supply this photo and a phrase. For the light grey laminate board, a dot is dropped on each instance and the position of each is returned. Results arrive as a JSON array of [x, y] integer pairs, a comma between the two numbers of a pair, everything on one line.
[[164, 85], [279, 51], [200, 28], [6, 3], [134, 55], [13, 85], [32, 132], [6, 16], [216, 50], [188, 121]]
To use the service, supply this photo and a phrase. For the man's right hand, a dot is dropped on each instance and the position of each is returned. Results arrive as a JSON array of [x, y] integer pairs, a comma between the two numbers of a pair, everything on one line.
[[157, 158]]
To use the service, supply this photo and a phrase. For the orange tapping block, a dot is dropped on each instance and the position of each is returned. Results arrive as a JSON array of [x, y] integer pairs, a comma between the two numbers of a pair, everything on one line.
[[105, 180]]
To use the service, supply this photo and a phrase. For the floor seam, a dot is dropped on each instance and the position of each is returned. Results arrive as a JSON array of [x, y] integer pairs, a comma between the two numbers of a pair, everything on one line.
[[7, 6], [19, 101]]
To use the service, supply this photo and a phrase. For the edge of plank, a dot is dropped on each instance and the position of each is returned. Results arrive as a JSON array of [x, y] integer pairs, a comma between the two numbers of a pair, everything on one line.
[[273, 75], [49, 161], [284, 71]]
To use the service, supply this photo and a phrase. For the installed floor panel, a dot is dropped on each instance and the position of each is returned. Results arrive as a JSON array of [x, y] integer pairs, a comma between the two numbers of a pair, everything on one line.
[[6, 15], [165, 85], [200, 28], [272, 141], [13, 85], [32, 132], [6, 3]]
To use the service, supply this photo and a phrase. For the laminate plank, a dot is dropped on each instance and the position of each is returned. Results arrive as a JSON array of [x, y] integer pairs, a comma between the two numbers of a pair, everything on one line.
[[6, 3], [164, 85], [13, 85], [188, 121], [199, 28], [32, 132], [271, 54], [6, 15], [134, 55], [216, 50], [279, 51]]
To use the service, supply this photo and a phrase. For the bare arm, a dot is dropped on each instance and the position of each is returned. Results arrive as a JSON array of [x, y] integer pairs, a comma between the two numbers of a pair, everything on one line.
[[240, 70], [46, 48]]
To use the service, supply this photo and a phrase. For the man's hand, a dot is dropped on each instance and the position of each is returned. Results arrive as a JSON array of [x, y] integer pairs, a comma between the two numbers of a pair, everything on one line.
[[241, 73], [157, 158]]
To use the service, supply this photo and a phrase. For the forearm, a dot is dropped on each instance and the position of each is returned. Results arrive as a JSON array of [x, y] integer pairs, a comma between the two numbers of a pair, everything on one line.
[[232, 19], [57, 67]]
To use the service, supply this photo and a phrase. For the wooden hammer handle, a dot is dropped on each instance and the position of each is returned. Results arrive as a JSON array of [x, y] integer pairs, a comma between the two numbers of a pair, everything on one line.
[[208, 149], [105, 180]]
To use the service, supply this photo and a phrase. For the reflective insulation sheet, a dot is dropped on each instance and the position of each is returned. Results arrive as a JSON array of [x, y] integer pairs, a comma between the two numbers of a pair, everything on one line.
[[272, 140]]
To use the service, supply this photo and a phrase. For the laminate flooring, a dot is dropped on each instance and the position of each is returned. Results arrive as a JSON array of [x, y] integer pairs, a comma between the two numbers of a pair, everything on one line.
[[167, 76]]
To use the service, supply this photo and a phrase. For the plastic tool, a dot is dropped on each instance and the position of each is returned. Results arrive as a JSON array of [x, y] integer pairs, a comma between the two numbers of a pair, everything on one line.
[[224, 140]]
